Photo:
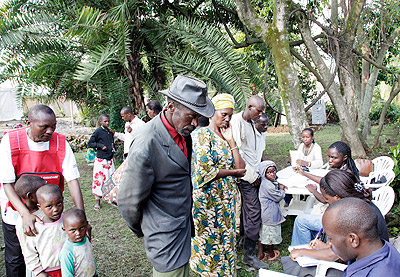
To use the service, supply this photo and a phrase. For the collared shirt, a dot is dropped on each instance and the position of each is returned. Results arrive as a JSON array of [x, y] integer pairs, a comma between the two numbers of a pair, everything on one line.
[[179, 140], [384, 262]]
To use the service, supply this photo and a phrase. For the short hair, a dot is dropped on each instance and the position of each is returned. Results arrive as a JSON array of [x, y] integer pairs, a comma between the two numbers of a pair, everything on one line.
[[126, 110], [48, 189], [344, 184], [353, 215], [74, 213], [40, 109], [28, 184], [255, 100], [343, 149], [203, 121], [155, 106], [103, 116]]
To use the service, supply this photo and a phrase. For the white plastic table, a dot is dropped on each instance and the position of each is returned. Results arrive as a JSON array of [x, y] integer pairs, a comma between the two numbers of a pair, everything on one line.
[[296, 184]]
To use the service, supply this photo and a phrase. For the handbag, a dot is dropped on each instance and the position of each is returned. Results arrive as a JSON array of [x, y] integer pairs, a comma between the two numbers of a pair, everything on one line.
[[111, 186]]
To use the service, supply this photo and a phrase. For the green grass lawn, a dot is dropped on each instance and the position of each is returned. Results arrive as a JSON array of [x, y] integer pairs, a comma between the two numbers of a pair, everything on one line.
[[119, 253]]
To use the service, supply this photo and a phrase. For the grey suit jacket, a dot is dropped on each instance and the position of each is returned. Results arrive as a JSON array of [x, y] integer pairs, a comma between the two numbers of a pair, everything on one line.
[[155, 196]]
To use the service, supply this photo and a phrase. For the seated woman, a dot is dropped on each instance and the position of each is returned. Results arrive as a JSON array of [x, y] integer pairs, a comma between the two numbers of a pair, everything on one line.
[[216, 166], [307, 225], [309, 151], [335, 185]]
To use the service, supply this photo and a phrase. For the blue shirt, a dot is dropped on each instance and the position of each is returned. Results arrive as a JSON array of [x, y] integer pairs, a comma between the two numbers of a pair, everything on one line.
[[384, 262]]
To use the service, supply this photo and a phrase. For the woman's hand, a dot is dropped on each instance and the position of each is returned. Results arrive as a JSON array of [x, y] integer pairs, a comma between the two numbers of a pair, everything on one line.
[[239, 172], [227, 134], [299, 170], [302, 162], [311, 188]]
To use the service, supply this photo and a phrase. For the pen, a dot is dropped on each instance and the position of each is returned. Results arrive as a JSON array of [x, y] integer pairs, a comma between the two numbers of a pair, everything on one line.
[[312, 243]]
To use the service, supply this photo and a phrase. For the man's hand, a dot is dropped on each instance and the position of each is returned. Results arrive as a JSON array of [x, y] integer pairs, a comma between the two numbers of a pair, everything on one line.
[[129, 129], [295, 254], [28, 224], [257, 182], [240, 172], [317, 244]]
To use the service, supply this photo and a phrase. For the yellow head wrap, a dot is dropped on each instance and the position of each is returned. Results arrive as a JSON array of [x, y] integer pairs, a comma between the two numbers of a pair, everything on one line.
[[223, 101]]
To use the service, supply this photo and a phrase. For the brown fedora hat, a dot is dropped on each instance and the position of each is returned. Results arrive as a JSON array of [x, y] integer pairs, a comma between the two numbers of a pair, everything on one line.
[[191, 93]]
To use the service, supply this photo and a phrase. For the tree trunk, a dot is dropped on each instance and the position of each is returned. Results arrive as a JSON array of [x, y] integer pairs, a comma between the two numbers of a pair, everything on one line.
[[275, 36], [133, 75], [347, 123]]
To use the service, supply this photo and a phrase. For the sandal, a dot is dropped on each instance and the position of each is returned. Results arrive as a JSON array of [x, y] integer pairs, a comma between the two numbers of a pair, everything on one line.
[[276, 255], [96, 207], [265, 257]]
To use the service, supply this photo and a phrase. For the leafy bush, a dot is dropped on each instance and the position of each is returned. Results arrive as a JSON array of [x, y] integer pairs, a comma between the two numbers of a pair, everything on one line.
[[395, 154], [392, 114], [331, 113]]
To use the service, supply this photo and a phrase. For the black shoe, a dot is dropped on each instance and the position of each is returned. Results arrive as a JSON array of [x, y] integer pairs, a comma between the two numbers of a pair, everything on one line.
[[248, 255]]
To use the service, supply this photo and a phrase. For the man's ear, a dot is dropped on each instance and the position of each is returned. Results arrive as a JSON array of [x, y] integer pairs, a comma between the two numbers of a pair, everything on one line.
[[38, 205], [345, 157], [171, 106], [30, 196], [354, 240]]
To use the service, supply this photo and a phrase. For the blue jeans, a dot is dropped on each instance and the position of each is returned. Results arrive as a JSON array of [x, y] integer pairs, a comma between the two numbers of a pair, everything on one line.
[[305, 228]]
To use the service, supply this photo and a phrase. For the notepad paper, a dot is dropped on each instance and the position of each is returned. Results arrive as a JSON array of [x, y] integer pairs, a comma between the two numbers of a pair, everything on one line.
[[304, 261]]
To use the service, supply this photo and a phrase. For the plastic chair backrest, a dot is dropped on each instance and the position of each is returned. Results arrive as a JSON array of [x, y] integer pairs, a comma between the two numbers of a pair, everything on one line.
[[375, 178], [323, 267], [383, 198], [383, 163]]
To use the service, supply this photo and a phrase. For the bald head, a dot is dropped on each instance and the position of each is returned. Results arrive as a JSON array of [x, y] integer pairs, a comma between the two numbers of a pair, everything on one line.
[[28, 184], [255, 108], [41, 123], [126, 110], [48, 191]]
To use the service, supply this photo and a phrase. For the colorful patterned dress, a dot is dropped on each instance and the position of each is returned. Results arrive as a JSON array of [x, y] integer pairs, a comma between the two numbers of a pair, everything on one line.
[[214, 245]]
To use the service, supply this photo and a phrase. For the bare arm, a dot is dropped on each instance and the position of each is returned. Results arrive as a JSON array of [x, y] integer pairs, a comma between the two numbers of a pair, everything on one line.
[[310, 176], [76, 193], [325, 254], [28, 219], [313, 189]]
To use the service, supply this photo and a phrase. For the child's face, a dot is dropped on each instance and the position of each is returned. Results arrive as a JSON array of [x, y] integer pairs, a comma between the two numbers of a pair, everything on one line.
[[270, 174], [105, 122], [75, 227], [52, 205]]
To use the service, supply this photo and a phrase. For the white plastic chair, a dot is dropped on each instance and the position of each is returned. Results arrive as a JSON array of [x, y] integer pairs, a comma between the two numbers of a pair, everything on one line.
[[383, 163], [383, 198], [323, 267], [270, 273], [378, 175]]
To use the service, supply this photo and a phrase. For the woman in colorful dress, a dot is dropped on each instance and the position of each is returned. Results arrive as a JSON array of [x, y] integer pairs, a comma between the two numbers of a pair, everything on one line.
[[216, 164]]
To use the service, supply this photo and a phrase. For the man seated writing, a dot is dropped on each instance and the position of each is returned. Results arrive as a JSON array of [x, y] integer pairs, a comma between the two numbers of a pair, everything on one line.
[[351, 227]]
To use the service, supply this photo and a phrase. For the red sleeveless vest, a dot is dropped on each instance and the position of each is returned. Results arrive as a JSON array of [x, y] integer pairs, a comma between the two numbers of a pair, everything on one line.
[[46, 164]]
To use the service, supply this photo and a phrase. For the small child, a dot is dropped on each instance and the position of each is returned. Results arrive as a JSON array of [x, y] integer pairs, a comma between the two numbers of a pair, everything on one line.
[[76, 256], [270, 194], [103, 141], [26, 187], [41, 251]]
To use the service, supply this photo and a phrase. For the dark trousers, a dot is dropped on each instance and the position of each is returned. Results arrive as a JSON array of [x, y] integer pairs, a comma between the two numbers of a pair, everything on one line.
[[251, 210], [15, 265]]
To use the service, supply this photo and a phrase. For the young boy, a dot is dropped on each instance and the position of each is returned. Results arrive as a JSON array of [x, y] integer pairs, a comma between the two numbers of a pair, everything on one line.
[[41, 251], [103, 141], [26, 188], [76, 256]]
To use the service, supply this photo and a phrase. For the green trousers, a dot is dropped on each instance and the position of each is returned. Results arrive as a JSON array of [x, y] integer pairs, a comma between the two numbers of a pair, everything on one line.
[[183, 271]]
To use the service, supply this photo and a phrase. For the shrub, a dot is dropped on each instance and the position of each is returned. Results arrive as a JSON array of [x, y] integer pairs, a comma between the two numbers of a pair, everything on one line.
[[395, 154], [392, 114]]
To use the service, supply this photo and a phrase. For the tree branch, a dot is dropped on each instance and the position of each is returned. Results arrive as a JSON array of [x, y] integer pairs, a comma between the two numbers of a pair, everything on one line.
[[300, 42]]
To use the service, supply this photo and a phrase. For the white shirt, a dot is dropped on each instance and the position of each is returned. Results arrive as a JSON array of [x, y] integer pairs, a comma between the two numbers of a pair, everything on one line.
[[251, 145], [127, 137], [314, 157], [7, 173]]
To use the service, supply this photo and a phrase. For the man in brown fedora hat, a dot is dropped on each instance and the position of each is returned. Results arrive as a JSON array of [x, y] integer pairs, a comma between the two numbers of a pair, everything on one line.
[[155, 191]]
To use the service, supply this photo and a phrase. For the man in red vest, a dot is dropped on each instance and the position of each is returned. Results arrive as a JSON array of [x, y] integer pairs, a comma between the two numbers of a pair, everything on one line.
[[35, 150]]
